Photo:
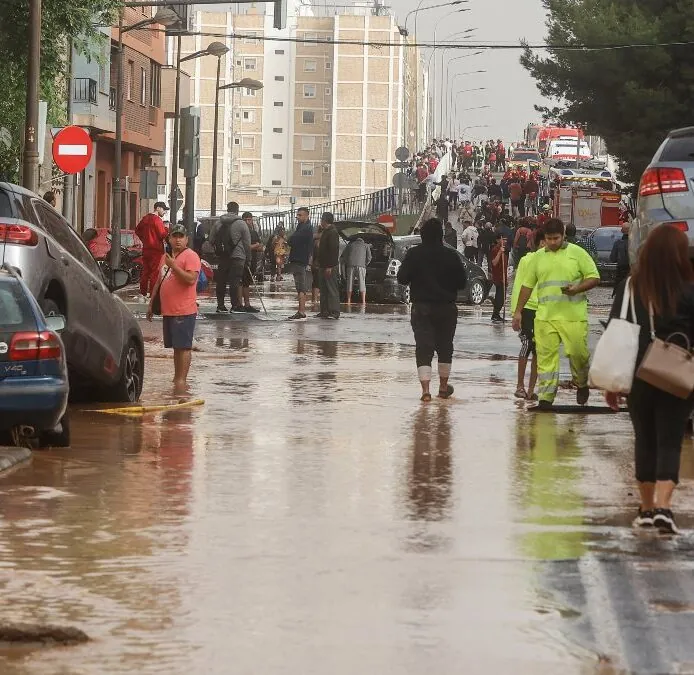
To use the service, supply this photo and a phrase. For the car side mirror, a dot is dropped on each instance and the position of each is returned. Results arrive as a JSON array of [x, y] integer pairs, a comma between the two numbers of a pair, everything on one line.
[[119, 279], [55, 323]]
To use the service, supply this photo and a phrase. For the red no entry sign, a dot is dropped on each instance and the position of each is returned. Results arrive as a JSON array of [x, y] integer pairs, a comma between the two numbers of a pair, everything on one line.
[[72, 149]]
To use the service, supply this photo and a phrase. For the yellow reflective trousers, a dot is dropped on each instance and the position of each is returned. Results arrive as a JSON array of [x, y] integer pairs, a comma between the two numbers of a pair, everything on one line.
[[549, 335]]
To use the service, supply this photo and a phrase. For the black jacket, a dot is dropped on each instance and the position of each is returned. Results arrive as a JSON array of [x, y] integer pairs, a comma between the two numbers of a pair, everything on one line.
[[434, 273], [329, 248], [681, 322]]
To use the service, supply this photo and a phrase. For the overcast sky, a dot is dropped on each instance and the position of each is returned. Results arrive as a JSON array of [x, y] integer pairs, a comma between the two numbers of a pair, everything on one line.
[[511, 92]]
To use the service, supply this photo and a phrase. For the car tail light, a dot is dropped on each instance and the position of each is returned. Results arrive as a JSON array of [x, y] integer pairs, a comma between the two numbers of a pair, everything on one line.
[[680, 225], [34, 346], [11, 233], [662, 181]]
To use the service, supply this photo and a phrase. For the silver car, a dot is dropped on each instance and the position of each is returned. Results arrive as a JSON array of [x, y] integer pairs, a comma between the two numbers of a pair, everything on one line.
[[103, 341], [666, 191]]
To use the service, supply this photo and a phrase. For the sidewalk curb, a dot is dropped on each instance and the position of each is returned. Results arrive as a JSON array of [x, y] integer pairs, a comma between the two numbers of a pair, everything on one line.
[[10, 457]]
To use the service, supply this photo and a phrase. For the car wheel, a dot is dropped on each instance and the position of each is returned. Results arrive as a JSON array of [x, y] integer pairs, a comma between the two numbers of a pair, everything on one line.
[[58, 437], [476, 292], [49, 306], [129, 386]]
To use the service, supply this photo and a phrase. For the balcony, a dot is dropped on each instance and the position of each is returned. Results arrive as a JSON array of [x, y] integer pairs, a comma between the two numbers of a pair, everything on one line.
[[112, 99], [85, 90]]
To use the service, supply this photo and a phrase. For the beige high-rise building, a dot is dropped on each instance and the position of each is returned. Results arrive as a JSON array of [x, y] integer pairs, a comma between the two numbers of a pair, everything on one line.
[[329, 118]]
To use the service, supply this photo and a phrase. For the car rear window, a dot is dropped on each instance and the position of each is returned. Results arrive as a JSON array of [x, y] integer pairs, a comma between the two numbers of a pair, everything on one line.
[[679, 149], [605, 239], [15, 310], [5, 205]]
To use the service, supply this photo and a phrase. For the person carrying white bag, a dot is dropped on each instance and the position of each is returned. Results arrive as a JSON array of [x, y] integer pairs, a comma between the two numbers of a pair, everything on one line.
[[660, 399]]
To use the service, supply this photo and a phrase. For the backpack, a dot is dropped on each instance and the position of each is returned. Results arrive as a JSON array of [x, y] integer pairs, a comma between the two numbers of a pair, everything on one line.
[[223, 247]]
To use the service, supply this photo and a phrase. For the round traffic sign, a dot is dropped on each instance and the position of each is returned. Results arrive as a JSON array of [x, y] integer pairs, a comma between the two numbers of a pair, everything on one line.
[[72, 149], [402, 181], [402, 153]]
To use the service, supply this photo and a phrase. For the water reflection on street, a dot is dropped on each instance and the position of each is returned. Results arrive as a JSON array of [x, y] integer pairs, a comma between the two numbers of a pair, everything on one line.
[[315, 517]]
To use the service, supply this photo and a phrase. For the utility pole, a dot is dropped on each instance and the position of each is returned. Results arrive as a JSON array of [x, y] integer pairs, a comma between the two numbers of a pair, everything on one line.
[[30, 178], [117, 196]]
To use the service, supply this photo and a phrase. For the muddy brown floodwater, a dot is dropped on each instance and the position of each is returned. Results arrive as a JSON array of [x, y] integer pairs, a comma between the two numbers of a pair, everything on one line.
[[315, 518]]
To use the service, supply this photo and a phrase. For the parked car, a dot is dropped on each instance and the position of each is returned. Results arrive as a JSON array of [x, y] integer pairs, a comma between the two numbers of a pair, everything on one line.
[[388, 252], [666, 194], [33, 371], [604, 239], [103, 341]]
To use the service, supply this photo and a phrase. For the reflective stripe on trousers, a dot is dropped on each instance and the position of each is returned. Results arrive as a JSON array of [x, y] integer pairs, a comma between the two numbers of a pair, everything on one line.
[[549, 335]]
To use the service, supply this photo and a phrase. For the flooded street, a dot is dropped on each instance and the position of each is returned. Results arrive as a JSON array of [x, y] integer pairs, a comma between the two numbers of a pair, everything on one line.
[[313, 517]]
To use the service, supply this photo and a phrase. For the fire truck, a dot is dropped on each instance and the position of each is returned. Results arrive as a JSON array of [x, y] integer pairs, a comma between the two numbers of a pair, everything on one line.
[[587, 200]]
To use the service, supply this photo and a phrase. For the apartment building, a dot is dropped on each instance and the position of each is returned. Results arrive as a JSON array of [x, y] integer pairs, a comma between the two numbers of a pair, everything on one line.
[[329, 118], [94, 107]]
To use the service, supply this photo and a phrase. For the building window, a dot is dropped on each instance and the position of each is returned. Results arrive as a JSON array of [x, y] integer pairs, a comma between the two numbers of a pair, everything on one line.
[[250, 38], [308, 117], [131, 80], [248, 115], [328, 91], [277, 130], [310, 66], [237, 140], [279, 78], [248, 142], [279, 52], [239, 63], [247, 168], [277, 157], [307, 193], [143, 86], [328, 117], [326, 143], [155, 85], [279, 104], [308, 143], [276, 182], [309, 91], [328, 65], [237, 115], [326, 168], [306, 170], [249, 92], [250, 64]]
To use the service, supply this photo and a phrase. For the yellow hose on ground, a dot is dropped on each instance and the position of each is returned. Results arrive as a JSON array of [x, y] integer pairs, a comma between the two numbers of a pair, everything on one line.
[[144, 409]]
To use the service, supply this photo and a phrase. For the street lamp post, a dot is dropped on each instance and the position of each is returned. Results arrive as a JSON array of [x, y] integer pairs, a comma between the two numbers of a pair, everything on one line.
[[472, 72], [448, 66], [245, 83], [165, 17], [219, 50], [455, 107], [30, 177]]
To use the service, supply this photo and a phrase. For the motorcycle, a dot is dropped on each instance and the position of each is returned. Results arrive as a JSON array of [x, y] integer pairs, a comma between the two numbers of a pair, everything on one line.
[[131, 262]]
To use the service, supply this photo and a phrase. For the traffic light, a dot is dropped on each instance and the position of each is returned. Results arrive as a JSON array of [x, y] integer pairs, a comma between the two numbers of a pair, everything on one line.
[[189, 157], [280, 14]]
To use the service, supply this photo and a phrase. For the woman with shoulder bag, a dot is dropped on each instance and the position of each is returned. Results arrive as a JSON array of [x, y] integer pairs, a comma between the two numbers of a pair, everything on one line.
[[662, 281]]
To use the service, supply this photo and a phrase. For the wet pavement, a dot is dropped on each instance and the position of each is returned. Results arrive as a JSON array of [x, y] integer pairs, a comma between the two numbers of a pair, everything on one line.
[[314, 517]]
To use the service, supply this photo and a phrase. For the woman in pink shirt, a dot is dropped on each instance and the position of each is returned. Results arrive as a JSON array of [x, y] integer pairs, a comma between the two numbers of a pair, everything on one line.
[[176, 285]]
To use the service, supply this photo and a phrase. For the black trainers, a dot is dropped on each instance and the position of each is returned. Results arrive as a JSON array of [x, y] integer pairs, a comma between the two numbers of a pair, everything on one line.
[[644, 519], [237, 310], [222, 310], [497, 319], [297, 317], [539, 405], [582, 395], [321, 315], [665, 521], [251, 310]]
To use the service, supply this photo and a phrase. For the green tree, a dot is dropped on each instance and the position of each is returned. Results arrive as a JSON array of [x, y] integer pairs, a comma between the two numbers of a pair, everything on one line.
[[62, 21], [632, 96]]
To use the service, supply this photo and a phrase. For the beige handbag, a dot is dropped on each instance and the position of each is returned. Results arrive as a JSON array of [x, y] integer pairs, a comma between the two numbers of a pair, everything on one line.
[[668, 366]]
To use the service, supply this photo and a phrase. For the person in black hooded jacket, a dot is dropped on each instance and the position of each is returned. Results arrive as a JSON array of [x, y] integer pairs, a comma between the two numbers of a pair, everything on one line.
[[435, 274]]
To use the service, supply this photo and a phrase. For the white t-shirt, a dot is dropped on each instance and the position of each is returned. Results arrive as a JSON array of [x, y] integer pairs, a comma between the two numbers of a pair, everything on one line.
[[465, 192], [454, 186]]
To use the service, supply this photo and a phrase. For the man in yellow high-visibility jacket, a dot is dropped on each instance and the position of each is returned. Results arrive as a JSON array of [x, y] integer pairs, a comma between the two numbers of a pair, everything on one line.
[[562, 273]]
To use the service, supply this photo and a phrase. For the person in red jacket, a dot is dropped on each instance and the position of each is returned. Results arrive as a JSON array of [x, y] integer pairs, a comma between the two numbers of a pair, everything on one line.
[[152, 233]]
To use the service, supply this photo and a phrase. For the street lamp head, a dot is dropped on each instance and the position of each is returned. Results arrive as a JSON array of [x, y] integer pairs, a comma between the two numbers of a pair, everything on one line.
[[217, 49], [249, 83], [166, 17]]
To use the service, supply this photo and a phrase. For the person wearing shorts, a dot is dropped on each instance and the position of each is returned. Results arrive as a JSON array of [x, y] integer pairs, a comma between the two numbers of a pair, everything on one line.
[[301, 249], [176, 287], [527, 328]]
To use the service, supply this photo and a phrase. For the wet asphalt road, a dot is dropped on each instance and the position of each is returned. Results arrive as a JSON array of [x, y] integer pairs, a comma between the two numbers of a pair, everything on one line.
[[314, 517]]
